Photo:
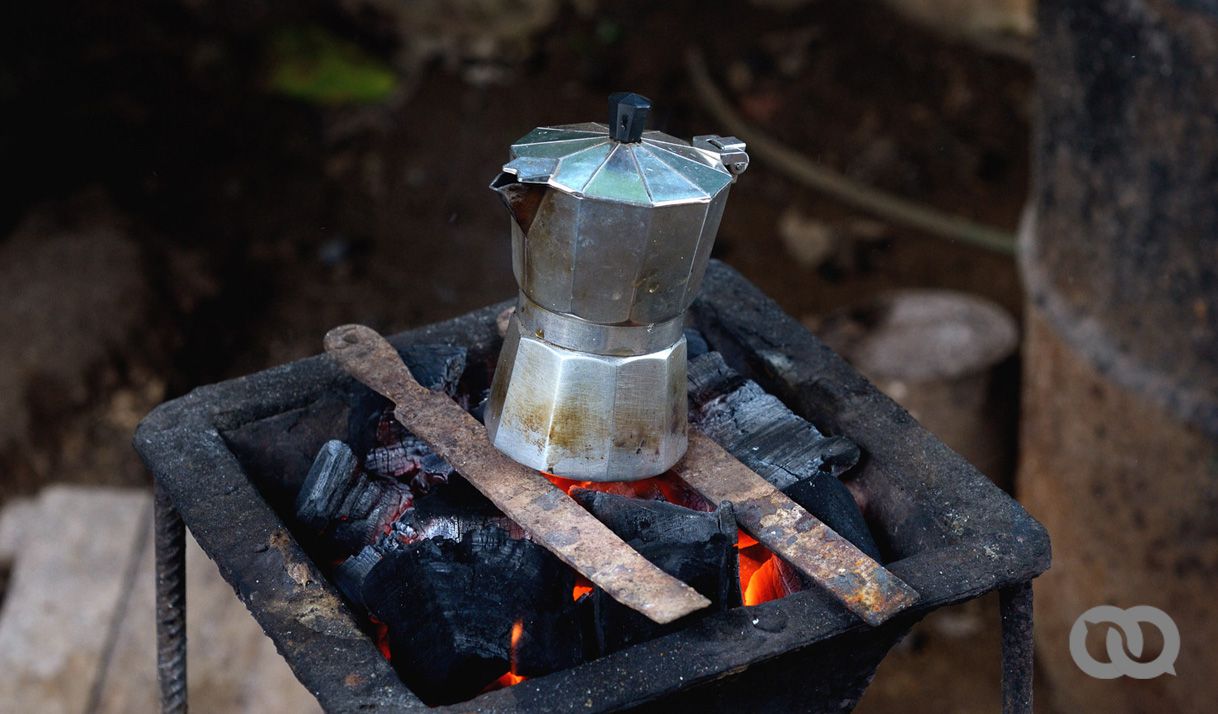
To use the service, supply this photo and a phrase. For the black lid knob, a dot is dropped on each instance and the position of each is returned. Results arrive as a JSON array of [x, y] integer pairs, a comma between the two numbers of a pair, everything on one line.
[[628, 116]]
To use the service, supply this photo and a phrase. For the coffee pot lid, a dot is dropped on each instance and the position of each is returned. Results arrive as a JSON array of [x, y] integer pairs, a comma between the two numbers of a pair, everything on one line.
[[622, 162]]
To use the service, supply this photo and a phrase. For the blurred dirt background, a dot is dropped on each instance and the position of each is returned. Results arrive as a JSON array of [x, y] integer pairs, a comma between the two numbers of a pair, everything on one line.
[[200, 188]]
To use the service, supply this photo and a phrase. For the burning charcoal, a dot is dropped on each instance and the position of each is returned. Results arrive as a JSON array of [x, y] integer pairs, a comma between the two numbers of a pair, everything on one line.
[[696, 547], [406, 457], [433, 471], [389, 449], [449, 513], [783, 447], [352, 507], [453, 511], [436, 367], [451, 607], [371, 506]]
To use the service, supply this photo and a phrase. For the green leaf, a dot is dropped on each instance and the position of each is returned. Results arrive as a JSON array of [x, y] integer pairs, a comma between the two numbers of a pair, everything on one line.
[[316, 66]]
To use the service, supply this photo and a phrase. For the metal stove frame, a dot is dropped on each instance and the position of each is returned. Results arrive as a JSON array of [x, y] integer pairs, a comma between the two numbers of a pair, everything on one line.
[[950, 532]]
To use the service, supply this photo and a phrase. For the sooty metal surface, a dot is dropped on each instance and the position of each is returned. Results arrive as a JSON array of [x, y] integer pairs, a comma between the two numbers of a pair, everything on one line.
[[944, 528]]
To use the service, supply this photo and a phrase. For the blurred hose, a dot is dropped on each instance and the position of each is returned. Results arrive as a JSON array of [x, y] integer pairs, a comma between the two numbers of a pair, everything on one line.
[[884, 205]]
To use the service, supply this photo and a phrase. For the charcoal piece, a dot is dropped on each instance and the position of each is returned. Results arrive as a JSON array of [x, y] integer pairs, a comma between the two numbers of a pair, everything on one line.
[[450, 608], [393, 461], [786, 449], [829, 500], [478, 409], [370, 507], [350, 507], [433, 471], [758, 428], [326, 484], [349, 576], [696, 547], [407, 457], [710, 377], [436, 367], [449, 512], [695, 343]]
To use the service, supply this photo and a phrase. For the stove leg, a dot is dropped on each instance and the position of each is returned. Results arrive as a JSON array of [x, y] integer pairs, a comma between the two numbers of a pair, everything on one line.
[[170, 604], [1015, 603]]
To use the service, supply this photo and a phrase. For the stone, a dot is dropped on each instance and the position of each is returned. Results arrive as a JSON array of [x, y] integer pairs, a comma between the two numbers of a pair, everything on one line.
[[67, 584]]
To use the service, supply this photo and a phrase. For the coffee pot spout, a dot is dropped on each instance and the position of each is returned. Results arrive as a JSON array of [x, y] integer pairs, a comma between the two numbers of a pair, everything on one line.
[[521, 199]]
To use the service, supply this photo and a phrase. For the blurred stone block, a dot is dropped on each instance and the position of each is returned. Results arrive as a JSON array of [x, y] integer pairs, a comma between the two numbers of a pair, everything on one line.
[[231, 665], [940, 354], [16, 520], [68, 581], [77, 626]]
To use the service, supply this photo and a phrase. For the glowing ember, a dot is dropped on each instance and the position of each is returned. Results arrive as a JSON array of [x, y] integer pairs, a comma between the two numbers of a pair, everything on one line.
[[510, 678], [761, 577], [766, 584], [664, 487], [582, 587], [381, 636]]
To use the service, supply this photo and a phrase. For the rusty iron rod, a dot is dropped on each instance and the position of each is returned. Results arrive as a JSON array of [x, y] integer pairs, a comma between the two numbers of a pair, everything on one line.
[[864, 586], [551, 517], [170, 603]]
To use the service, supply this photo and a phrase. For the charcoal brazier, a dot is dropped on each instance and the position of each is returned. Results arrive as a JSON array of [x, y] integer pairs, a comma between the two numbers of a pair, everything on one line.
[[944, 528]]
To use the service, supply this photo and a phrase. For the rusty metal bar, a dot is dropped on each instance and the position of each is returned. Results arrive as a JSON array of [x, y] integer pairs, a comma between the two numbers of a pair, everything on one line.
[[552, 518], [864, 586], [170, 604], [1015, 604]]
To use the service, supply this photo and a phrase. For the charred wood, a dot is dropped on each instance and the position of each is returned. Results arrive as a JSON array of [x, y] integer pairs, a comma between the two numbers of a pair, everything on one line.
[[348, 507], [350, 575], [450, 512], [451, 606], [696, 547], [437, 367], [781, 446], [758, 428]]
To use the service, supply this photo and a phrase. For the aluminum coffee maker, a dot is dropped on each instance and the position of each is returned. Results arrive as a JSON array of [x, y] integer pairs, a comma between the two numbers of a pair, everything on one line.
[[612, 228]]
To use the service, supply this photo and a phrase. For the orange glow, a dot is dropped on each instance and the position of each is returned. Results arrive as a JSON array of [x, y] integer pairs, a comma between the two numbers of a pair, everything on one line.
[[507, 679], [751, 559], [510, 678], [765, 585], [381, 636], [761, 577], [664, 487], [582, 586]]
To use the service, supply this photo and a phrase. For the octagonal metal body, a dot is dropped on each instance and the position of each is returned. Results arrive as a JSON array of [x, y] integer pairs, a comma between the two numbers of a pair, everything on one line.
[[613, 232], [586, 416]]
